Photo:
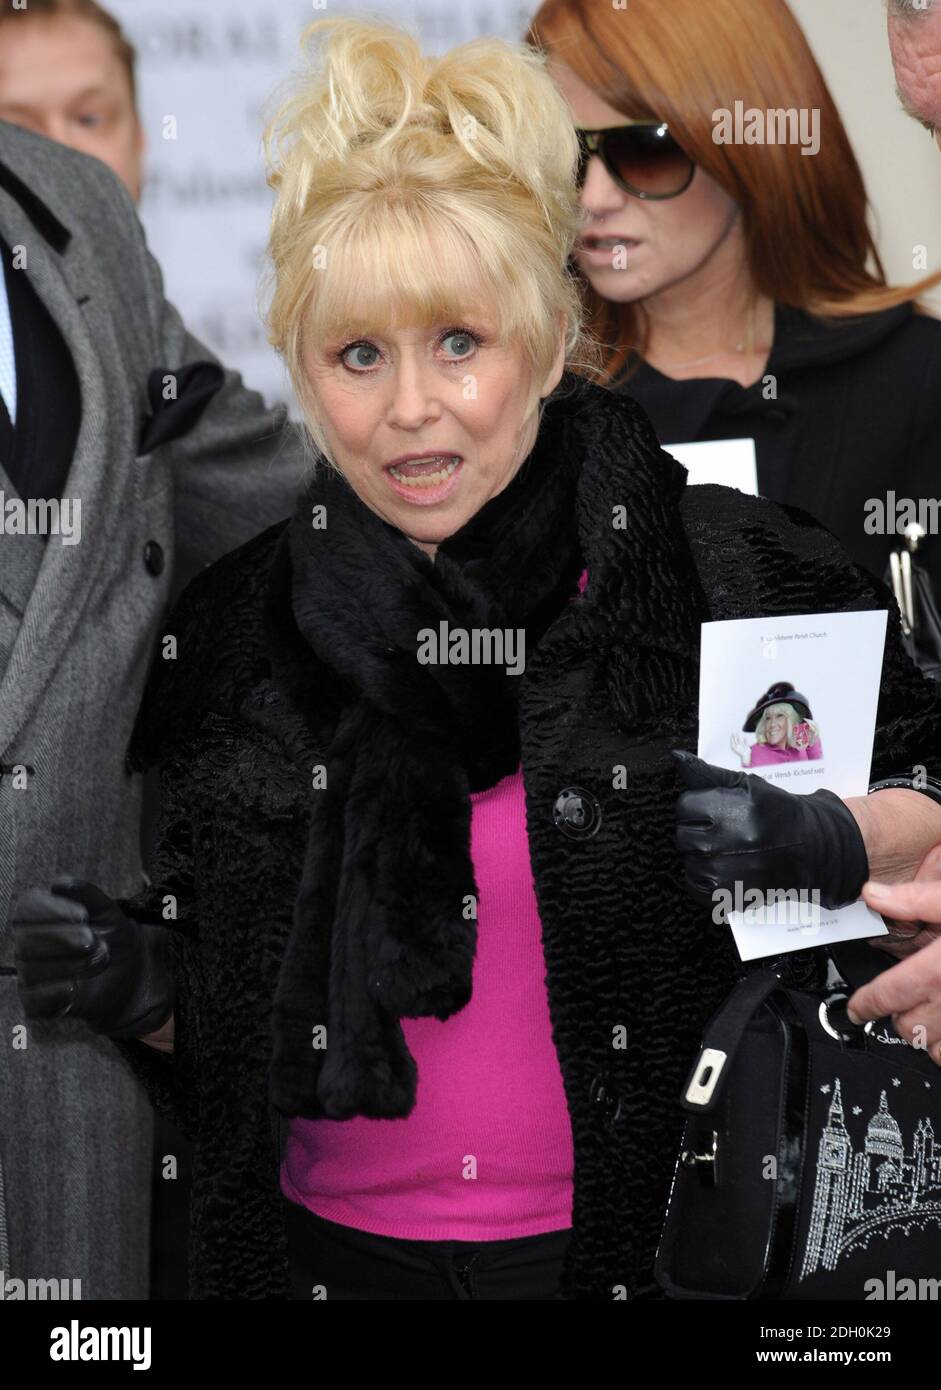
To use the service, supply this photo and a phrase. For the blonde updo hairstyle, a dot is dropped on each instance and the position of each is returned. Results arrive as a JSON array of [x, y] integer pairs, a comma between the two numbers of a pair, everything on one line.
[[405, 185]]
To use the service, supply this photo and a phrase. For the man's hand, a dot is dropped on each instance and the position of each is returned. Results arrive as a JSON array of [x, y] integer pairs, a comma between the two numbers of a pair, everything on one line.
[[910, 992], [736, 827], [77, 955], [909, 930]]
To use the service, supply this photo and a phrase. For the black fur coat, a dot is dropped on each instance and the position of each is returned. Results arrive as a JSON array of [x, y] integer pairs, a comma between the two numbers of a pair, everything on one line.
[[243, 713]]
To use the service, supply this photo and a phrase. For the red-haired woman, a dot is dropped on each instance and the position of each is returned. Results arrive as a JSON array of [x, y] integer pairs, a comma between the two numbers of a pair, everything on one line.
[[736, 285]]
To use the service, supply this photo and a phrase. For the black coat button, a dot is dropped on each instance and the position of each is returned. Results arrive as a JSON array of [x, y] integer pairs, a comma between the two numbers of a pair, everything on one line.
[[577, 813], [605, 1101], [154, 557]]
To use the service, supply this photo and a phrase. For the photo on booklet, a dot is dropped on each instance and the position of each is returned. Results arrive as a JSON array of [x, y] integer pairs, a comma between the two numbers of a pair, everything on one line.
[[793, 700]]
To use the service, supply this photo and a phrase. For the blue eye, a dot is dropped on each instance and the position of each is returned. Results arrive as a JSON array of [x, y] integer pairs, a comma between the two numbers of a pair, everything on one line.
[[470, 339], [358, 347]]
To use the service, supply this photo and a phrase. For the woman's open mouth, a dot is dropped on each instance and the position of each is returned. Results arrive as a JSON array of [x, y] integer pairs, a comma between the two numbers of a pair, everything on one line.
[[601, 248], [425, 480]]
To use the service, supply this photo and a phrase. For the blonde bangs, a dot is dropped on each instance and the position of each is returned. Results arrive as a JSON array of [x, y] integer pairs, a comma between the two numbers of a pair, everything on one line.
[[391, 268], [399, 264]]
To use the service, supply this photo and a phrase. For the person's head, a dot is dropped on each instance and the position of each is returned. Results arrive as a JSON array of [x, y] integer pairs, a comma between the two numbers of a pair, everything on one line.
[[915, 41], [420, 201], [792, 208], [776, 726], [663, 241], [67, 71]]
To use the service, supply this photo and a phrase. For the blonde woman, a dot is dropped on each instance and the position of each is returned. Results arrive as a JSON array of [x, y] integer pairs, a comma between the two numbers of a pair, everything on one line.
[[418, 972], [784, 731]]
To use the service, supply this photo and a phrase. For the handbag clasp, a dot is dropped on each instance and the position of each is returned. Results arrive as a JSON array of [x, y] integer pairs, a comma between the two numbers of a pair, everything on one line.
[[706, 1074], [705, 1163]]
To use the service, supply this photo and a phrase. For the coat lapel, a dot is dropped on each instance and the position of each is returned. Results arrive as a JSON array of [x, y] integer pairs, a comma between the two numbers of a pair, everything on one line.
[[644, 601], [20, 558], [55, 579]]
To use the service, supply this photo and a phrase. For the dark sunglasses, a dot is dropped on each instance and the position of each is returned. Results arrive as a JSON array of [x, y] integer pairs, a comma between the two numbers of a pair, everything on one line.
[[642, 158]]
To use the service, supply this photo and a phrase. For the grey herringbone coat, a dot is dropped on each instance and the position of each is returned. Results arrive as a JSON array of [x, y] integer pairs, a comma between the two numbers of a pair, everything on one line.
[[78, 624]]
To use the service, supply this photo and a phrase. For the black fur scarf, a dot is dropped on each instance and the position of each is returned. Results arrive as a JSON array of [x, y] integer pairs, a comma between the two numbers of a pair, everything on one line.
[[384, 922]]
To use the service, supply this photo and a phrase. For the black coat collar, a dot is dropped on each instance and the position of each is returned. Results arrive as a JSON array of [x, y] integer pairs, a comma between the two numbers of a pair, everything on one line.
[[637, 621], [644, 599], [801, 343]]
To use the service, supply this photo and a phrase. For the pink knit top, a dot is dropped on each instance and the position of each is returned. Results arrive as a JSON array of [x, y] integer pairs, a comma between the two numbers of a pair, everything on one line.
[[763, 755], [486, 1153]]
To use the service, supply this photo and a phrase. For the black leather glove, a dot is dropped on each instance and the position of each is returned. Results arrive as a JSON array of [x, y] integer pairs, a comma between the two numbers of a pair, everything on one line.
[[737, 827], [77, 954]]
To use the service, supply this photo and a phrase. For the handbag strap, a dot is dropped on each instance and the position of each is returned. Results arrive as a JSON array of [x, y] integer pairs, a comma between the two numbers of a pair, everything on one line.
[[858, 962], [723, 1034]]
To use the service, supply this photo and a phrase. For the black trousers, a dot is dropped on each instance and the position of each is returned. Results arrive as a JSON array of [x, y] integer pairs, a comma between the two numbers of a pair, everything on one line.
[[334, 1261]]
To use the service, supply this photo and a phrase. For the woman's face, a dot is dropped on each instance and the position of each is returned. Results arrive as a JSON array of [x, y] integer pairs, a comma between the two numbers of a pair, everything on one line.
[[667, 242], [776, 728], [434, 392]]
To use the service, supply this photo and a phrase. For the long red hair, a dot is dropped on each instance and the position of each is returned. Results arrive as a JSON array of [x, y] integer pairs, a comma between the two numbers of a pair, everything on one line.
[[807, 237]]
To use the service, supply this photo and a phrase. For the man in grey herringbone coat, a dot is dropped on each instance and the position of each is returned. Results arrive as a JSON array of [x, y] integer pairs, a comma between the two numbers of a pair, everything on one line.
[[174, 463]]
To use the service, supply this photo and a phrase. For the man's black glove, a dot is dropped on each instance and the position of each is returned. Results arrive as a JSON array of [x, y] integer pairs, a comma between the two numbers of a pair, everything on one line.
[[77, 954], [736, 827]]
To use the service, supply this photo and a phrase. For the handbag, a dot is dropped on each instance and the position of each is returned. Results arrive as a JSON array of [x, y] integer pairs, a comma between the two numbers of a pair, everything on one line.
[[921, 622], [810, 1164]]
